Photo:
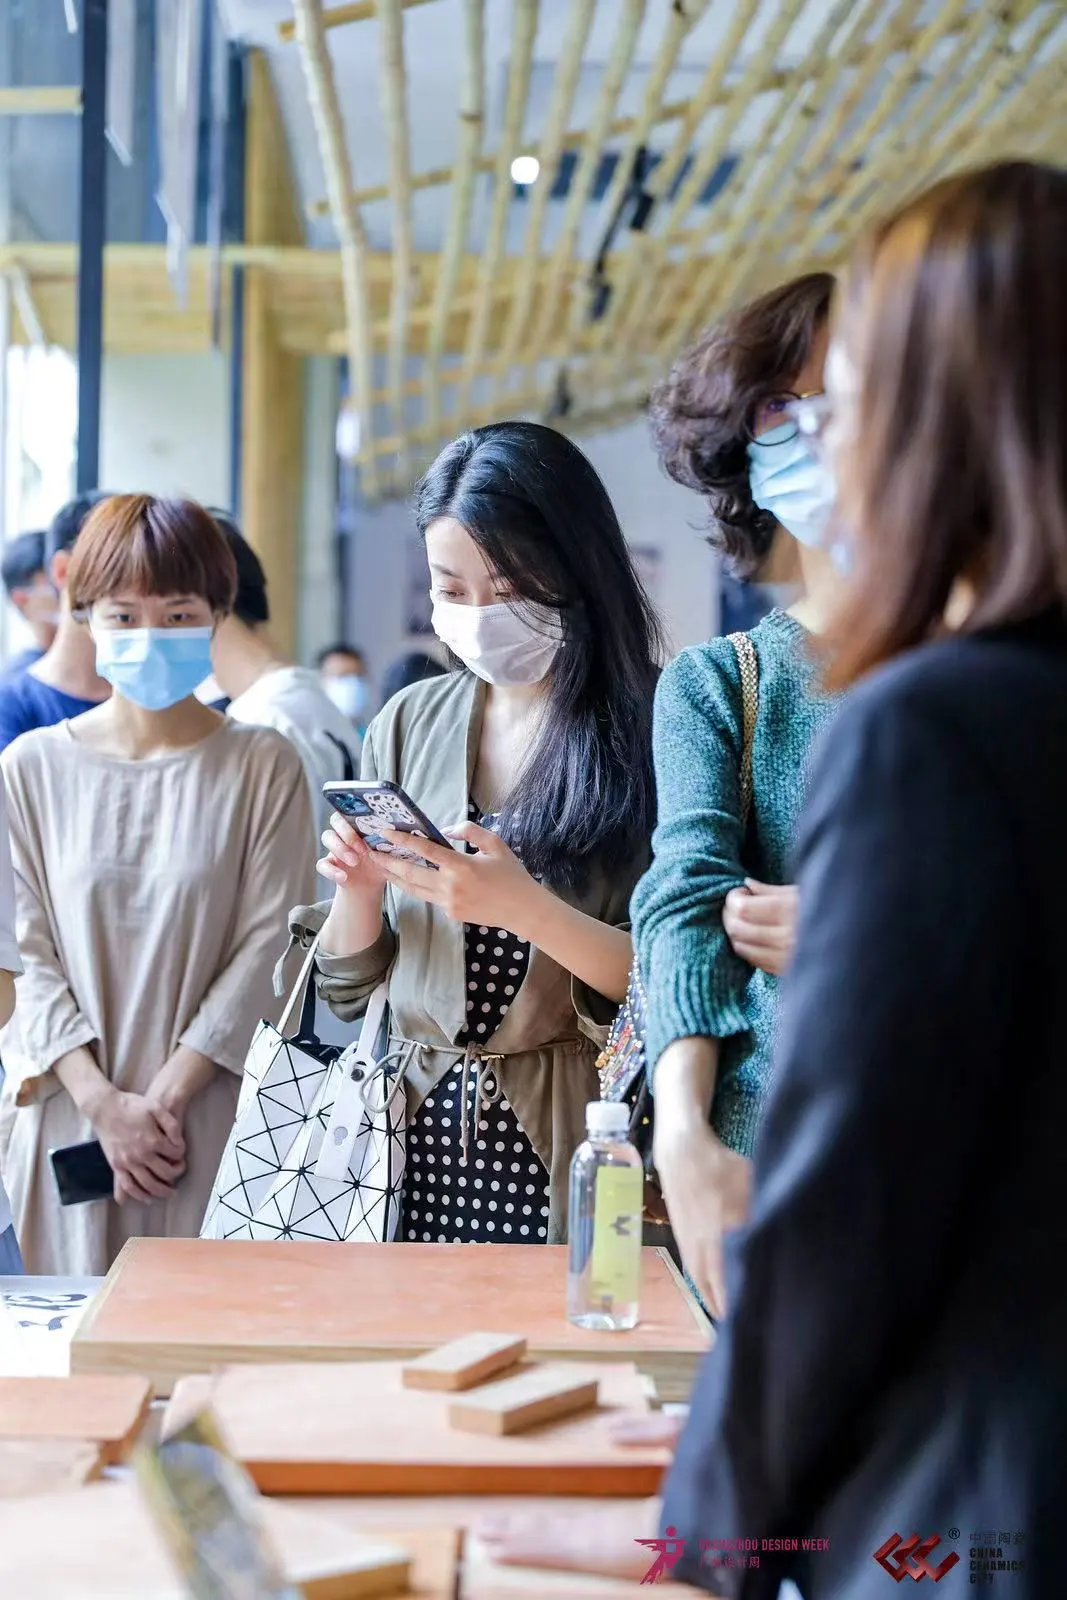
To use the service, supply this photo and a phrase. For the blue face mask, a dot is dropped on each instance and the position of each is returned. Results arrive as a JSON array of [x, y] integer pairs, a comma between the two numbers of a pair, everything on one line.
[[793, 485], [154, 667]]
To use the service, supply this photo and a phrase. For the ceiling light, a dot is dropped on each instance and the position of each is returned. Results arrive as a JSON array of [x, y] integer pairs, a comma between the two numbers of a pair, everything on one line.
[[524, 170]]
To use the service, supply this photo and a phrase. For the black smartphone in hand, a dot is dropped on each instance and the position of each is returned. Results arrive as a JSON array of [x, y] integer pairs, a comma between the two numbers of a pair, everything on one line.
[[82, 1173]]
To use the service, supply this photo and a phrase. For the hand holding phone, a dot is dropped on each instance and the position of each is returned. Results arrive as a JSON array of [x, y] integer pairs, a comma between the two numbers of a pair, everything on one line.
[[143, 1142], [369, 807]]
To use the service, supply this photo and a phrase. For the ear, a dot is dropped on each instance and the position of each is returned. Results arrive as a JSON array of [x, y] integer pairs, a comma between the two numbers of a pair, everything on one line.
[[19, 597], [60, 568]]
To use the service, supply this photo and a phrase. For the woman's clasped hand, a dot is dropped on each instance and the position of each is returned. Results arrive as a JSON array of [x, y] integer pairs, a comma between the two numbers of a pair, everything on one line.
[[143, 1142], [760, 922]]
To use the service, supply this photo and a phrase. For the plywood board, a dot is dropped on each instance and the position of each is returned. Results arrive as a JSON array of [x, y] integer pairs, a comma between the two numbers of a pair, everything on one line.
[[464, 1363], [107, 1409], [46, 1466], [171, 1307], [353, 1429], [486, 1579], [101, 1544], [541, 1394]]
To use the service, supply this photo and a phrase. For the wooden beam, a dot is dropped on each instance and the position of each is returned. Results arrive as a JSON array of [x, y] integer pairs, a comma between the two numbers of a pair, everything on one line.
[[272, 434], [524, 31], [330, 132], [436, 177], [395, 117], [44, 101], [471, 125], [337, 16]]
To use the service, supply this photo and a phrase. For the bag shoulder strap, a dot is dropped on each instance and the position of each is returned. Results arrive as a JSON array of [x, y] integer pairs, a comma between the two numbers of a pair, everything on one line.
[[748, 665]]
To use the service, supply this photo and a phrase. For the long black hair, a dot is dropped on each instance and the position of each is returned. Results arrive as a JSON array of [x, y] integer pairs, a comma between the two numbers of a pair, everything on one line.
[[535, 507]]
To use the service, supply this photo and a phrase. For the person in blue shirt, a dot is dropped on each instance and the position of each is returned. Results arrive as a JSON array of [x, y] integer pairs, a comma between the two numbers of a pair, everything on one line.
[[33, 596], [63, 682]]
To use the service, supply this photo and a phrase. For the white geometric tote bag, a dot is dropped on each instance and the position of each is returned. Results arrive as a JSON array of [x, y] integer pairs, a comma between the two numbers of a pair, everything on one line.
[[317, 1146]]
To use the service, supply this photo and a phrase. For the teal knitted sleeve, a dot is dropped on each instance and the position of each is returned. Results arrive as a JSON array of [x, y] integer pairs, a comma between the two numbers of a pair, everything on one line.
[[694, 982]]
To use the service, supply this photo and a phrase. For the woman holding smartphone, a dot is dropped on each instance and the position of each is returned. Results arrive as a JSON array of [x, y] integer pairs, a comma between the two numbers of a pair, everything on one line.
[[155, 846], [508, 954]]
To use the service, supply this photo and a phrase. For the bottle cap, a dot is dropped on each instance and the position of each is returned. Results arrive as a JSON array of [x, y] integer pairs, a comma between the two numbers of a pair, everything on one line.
[[607, 1119]]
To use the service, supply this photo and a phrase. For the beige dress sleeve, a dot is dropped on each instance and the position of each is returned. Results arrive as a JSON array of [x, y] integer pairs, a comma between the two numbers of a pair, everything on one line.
[[240, 992]]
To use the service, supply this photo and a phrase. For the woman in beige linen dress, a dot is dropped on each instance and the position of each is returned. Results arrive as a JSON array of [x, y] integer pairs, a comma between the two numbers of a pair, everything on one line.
[[156, 848]]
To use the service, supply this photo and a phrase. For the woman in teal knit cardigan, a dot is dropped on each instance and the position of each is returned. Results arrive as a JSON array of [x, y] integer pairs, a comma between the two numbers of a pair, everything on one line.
[[713, 917]]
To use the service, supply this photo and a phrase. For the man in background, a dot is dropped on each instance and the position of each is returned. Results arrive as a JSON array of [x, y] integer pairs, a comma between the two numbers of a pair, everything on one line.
[[343, 670], [266, 689], [33, 596], [63, 682]]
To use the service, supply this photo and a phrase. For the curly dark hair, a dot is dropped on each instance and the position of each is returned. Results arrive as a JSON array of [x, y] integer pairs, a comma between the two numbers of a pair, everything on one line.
[[701, 409]]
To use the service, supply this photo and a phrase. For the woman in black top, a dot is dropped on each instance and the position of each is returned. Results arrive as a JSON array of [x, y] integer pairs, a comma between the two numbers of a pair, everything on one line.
[[893, 1360]]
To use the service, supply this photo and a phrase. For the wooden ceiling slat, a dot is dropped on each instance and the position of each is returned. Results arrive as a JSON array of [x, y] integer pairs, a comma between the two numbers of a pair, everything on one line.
[[356, 11], [639, 271], [561, 268], [848, 151], [524, 30], [329, 129], [548, 155], [471, 127], [395, 116]]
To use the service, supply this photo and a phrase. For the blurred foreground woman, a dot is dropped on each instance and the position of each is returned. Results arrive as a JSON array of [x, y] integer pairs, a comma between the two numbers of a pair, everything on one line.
[[894, 1357], [156, 845], [892, 1362]]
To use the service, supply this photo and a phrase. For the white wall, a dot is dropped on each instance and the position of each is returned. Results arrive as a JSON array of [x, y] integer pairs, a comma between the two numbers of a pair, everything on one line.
[[655, 514], [165, 425]]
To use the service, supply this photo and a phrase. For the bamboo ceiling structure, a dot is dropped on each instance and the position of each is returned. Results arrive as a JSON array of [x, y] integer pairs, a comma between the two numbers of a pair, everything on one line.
[[883, 97]]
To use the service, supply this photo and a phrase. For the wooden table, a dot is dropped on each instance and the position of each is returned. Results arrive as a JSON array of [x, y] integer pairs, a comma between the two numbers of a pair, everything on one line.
[[172, 1307]]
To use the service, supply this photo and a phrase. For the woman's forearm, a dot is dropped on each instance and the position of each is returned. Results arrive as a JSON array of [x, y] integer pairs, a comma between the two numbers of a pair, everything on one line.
[[684, 1082], [83, 1081], [354, 922], [598, 955], [181, 1078]]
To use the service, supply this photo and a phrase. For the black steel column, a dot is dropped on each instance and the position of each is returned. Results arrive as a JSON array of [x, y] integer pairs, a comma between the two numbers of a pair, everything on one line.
[[92, 224]]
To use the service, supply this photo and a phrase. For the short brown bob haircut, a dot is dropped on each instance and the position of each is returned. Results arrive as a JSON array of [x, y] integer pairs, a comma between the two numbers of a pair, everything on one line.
[[952, 464], [135, 544], [702, 409]]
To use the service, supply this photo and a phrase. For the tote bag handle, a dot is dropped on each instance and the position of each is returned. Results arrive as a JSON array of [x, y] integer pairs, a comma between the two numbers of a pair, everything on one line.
[[303, 993]]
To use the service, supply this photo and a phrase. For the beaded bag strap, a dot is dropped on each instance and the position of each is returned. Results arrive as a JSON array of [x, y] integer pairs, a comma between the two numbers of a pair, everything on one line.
[[748, 665]]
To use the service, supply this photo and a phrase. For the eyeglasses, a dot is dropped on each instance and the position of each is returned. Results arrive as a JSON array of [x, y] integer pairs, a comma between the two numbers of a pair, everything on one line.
[[777, 410]]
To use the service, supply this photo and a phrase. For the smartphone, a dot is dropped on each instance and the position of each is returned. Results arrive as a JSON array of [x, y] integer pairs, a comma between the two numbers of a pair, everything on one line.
[[369, 805], [82, 1173]]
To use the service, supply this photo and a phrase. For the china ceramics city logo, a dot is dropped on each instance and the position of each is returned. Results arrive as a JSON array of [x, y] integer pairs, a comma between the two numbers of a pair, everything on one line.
[[907, 1558]]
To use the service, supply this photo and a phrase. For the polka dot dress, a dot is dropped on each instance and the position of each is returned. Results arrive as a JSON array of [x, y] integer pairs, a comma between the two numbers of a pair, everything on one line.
[[501, 1194]]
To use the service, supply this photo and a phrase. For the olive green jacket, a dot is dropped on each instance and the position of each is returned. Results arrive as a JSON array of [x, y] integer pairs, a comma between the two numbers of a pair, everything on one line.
[[426, 740]]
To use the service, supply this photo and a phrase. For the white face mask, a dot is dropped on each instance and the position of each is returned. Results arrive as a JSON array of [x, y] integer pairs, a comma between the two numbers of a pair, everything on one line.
[[503, 644], [349, 694]]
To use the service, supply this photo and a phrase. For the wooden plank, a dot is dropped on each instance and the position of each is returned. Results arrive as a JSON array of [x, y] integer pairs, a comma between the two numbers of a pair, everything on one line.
[[354, 1429], [272, 433], [514, 1405], [464, 1363], [102, 1544], [99, 1408], [353, 11], [46, 1466], [170, 1307], [31, 100]]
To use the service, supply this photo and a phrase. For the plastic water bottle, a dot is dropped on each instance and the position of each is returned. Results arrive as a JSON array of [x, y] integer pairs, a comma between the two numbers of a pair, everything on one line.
[[606, 1206]]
